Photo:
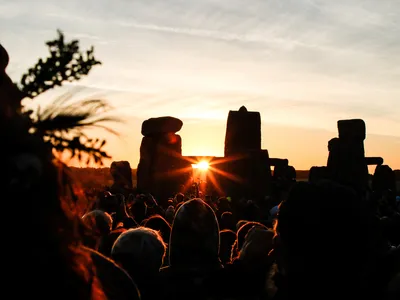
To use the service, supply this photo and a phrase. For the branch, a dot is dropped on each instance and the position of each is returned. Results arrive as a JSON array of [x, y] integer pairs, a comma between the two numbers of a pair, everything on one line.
[[66, 63]]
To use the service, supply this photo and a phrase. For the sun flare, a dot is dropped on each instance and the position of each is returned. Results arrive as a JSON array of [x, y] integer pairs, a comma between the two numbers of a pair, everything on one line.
[[202, 165]]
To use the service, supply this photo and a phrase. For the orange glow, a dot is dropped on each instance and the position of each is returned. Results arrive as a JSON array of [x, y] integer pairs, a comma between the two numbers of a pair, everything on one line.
[[202, 165]]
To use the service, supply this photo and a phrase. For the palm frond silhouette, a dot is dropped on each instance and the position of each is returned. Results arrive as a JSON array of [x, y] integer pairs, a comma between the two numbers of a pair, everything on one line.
[[62, 125]]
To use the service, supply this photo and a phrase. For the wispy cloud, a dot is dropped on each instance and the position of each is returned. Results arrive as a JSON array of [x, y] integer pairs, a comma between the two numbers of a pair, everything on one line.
[[300, 62]]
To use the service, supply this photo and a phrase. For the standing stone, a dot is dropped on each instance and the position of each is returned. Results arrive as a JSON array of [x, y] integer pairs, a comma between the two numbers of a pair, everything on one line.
[[160, 157], [243, 132], [246, 161], [260, 175], [352, 130], [346, 162], [121, 173], [162, 125]]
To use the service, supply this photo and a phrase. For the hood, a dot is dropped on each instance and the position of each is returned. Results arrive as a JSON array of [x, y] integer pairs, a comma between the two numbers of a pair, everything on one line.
[[194, 240]]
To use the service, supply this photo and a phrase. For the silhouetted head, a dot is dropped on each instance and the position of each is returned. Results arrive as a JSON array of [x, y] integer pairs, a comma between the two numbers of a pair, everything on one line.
[[227, 221], [224, 205], [240, 224], [139, 208], [158, 223], [241, 236], [194, 240], [291, 173], [227, 239], [140, 251], [257, 245], [10, 95], [322, 229], [4, 59], [99, 221], [107, 202], [179, 198], [170, 214], [384, 179], [99, 224], [251, 211]]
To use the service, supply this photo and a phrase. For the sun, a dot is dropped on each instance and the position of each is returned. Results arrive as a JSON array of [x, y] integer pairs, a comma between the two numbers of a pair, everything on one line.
[[202, 165]]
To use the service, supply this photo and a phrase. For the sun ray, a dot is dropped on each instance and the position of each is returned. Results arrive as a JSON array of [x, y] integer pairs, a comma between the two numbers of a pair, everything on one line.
[[176, 172], [215, 183], [227, 175], [201, 165], [188, 184], [222, 160]]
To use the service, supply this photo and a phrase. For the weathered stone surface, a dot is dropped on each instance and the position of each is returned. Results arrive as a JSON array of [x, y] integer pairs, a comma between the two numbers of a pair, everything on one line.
[[346, 162], [243, 132], [260, 174], [144, 176], [279, 162], [121, 173], [245, 170], [249, 175], [353, 129], [160, 160], [156, 126], [374, 161]]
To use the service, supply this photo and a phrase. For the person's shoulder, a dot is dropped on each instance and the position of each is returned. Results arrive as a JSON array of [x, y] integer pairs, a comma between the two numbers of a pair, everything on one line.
[[117, 284]]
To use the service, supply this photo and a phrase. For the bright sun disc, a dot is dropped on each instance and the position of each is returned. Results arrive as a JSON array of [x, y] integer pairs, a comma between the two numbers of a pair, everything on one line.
[[203, 165]]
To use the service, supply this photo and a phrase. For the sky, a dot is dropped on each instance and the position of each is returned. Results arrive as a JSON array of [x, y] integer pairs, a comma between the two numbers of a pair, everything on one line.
[[303, 64]]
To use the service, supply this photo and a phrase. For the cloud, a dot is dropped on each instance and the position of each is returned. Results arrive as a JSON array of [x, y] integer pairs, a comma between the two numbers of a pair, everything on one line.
[[300, 62]]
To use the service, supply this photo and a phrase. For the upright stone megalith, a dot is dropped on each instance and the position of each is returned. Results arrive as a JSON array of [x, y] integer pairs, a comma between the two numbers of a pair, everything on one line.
[[121, 173], [243, 132], [249, 164], [160, 156], [346, 162]]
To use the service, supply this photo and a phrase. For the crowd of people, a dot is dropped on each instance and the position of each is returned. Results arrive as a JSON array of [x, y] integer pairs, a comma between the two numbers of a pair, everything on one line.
[[322, 241]]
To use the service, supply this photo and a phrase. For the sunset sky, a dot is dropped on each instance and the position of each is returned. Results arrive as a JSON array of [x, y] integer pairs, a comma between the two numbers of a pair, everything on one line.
[[303, 64]]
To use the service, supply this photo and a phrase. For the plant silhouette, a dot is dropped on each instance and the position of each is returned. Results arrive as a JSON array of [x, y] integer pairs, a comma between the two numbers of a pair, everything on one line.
[[66, 63], [61, 123]]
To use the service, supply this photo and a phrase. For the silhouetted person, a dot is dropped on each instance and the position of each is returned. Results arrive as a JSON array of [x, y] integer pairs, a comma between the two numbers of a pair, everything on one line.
[[141, 251], [99, 224], [241, 236], [193, 252], [323, 238], [56, 264], [159, 224], [227, 239], [227, 221]]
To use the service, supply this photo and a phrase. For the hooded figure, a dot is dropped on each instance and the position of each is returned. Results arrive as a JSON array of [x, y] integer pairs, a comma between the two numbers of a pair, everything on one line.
[[193, 252], [194, 240]]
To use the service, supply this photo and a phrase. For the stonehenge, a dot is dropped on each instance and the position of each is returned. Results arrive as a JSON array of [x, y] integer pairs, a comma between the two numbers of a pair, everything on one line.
[[246, 168]]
